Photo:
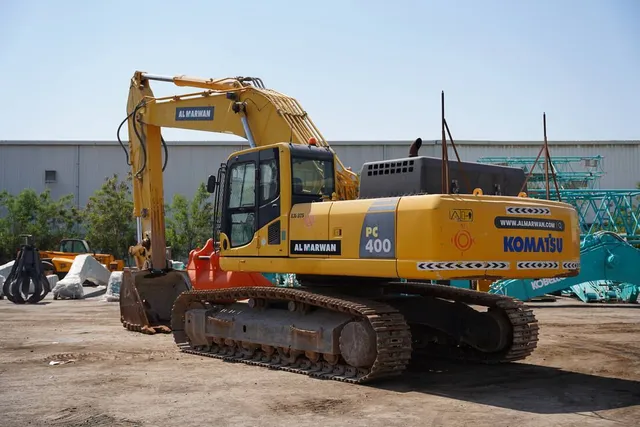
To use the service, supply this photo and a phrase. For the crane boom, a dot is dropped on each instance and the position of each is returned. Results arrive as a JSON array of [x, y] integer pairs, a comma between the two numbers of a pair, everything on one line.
[[240, 106]]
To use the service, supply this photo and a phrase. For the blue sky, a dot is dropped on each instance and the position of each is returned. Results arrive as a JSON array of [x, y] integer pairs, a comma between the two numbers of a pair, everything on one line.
[[363, 70]]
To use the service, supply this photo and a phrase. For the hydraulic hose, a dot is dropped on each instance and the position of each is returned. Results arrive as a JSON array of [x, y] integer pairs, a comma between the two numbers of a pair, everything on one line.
[[142, 143]]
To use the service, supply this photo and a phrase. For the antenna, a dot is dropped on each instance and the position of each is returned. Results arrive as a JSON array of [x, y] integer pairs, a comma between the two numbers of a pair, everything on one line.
[[445, 154], [547, 164]]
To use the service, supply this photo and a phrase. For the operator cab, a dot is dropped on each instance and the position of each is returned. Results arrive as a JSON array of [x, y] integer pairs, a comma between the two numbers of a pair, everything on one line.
[[74, 246], [262, 184]]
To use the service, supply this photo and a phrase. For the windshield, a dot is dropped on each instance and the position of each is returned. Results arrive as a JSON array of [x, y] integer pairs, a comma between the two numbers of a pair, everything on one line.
[[312, 177]]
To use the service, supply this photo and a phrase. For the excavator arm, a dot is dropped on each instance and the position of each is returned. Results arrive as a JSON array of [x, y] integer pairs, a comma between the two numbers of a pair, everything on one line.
[[240, 106]]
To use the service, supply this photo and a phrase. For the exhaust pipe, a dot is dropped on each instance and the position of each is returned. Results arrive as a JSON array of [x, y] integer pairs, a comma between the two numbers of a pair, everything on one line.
[[413, 150]]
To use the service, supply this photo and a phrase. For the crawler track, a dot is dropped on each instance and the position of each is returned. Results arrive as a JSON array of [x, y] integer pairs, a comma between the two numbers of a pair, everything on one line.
[[393, 335], [393, 341], [524, 325]]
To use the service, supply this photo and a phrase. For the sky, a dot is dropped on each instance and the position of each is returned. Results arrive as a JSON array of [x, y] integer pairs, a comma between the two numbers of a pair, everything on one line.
[[363, 70]]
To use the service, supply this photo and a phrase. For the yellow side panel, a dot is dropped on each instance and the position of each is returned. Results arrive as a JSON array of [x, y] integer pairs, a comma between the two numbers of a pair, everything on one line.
[[271, 250], [250, 249], [345, 224], [62, 264], [355, 238], [309, 222], [428, 237], [457, 237]]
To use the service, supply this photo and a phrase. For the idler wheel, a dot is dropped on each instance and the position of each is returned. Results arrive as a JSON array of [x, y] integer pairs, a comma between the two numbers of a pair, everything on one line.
[[358, 344]]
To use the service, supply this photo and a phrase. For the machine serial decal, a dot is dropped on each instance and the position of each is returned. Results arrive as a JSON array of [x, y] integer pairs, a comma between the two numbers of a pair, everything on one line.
[[378, 233], [461, 215], [194, 113], [463, 265], [316, 247], [521, 223], [533, 244], [537, 265], [527, 210], [308, 220], [571, 265]]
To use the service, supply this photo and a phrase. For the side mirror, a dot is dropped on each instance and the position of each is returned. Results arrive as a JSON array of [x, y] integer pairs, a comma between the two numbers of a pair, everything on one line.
[[211, 184]]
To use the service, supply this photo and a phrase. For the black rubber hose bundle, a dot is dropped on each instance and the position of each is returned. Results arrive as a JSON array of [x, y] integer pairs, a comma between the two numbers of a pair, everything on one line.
[[26, 268]]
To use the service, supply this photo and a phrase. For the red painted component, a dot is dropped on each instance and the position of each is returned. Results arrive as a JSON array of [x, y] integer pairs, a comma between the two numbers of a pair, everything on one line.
[[205, 272]]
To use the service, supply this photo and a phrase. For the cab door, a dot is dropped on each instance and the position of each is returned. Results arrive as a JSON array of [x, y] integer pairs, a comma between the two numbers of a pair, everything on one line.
[[271, 225], [238, 235]]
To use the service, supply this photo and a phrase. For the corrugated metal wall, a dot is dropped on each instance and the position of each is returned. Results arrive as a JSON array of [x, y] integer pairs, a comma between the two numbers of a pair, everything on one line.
[[621, 159], [81, 166]]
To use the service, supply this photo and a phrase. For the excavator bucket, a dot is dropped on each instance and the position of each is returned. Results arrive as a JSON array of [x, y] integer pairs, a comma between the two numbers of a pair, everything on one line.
[[146, 298]]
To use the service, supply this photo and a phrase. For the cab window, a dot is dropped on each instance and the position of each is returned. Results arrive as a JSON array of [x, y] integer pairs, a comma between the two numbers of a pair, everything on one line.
[[312, 177], [67, 246], [243, 185], [242, 201], [268, 180], [78, 247]]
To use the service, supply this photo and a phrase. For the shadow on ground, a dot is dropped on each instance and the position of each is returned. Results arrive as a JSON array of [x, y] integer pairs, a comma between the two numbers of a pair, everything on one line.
[[519, 386], [540, 305]]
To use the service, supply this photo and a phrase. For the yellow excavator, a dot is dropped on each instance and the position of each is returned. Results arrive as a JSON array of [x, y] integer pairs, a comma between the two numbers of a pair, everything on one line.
[[366, 251]]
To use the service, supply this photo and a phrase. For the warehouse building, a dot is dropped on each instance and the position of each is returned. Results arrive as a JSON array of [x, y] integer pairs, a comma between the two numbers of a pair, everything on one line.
[[80, 167]]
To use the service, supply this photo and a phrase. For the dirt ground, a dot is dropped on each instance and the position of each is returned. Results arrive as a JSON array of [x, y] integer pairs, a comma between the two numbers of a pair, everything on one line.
[[586, 372]]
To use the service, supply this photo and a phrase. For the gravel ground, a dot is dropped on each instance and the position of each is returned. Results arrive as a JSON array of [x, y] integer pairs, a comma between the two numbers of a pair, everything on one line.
[[586, 372]]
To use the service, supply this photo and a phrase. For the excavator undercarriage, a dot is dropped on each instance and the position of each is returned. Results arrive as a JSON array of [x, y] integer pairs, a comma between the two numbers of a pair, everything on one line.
[[337, 336]]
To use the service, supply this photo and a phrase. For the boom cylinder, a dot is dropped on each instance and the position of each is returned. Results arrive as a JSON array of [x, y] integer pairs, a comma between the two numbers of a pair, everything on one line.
[[247, 131], [158, 77]]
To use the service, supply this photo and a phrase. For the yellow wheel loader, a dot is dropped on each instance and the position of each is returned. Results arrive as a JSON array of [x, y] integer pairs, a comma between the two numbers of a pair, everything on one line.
[[365, 251], [59, 262]]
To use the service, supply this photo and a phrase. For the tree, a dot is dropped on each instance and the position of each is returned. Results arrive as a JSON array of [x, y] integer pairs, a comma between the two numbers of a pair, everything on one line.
[[189, 224], [47, 220], [108, 218]]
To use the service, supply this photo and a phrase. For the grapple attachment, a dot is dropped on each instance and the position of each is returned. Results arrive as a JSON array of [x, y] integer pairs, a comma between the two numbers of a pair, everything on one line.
[[26, 269], [147, 297]]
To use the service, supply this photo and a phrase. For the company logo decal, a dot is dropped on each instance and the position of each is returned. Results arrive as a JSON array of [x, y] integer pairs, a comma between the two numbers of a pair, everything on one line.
[[316, 247], [533, 244], [541, 283], [194, 113]]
